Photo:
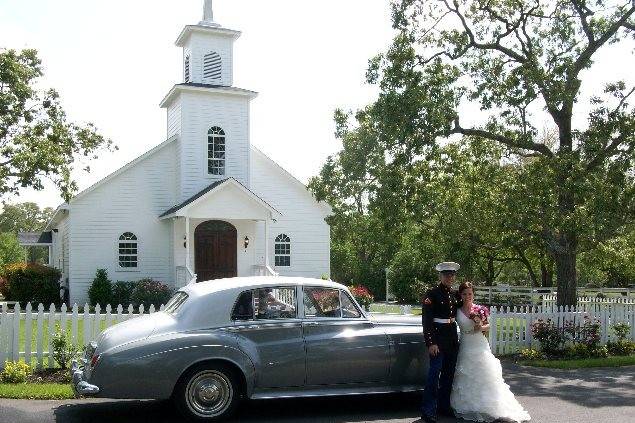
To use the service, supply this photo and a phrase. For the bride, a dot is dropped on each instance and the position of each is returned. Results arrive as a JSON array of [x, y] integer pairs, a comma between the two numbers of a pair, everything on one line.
[[479, 392]]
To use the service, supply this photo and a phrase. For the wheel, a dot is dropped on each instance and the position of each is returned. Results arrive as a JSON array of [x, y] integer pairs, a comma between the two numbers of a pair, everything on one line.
[[209, 392]]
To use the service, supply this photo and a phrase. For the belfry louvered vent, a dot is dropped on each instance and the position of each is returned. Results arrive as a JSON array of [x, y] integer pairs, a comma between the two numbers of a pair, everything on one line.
[[187, 69], [211, 66]]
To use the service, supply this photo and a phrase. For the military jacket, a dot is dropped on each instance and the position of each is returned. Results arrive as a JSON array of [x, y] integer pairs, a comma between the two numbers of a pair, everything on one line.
[[440, 302]]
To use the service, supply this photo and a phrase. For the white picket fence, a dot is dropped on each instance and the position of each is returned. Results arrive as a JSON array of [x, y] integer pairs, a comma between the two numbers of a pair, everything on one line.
[[510, 329], [27, 335]]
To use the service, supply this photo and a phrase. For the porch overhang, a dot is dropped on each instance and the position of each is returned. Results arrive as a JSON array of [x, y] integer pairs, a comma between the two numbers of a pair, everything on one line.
[[226, 199], [35, 239]]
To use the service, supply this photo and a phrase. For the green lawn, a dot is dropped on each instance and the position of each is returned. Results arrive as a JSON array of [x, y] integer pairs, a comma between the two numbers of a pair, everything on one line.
[[584, 363], [35, 391]]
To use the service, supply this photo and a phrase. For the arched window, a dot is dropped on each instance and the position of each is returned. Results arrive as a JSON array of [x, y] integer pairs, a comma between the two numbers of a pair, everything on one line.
[[216, 151], [186, 69], [282, 251], [128, 251], [211, 67]]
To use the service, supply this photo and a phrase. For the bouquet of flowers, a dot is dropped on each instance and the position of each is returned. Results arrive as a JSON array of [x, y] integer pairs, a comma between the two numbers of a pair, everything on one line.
[[479, 314]]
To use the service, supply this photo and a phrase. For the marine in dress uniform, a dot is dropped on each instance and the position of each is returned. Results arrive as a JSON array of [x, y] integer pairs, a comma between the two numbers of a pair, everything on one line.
[[439, 329]]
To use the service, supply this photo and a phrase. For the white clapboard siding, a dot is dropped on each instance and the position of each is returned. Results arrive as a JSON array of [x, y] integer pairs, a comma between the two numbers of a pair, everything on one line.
[[39, 329]]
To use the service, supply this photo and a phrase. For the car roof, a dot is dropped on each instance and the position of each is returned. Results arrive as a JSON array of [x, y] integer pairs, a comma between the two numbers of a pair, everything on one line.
[[244, 283]]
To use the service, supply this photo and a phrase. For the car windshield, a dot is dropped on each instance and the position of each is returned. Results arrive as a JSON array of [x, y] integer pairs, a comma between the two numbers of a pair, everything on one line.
[[175, 303]]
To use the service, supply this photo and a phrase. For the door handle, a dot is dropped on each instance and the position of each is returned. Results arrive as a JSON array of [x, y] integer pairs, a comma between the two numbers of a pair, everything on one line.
[[311, 324]]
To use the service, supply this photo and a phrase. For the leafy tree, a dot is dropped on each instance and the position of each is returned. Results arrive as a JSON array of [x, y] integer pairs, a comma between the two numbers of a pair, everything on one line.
[[522, 63], [10, 249], [100, 291], [36, 139], [24, 217]]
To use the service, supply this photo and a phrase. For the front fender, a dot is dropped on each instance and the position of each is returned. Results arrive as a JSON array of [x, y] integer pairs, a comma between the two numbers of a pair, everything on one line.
[[151, 368]]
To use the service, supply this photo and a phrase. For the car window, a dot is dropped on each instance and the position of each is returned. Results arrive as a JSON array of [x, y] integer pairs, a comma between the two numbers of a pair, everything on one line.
[[175, 303], [244, 308], [322, 302], [349, 309], [275, 303]]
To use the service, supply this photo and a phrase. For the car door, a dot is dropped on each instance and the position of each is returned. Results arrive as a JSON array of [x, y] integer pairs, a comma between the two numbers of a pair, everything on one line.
[[269, 331], [342, 346]]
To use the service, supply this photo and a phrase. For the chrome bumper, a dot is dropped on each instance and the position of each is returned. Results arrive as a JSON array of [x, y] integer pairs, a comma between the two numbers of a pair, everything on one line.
[[80, 386]]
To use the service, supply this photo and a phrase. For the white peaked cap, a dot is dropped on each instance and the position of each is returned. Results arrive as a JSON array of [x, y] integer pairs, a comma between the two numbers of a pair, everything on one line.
[[447, 266]]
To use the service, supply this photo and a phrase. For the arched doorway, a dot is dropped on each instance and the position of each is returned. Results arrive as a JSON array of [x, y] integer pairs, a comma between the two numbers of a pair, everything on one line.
[[215, 250]]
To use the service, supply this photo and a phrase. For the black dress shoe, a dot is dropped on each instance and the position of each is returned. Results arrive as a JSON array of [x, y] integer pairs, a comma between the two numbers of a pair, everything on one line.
[[428, 419]]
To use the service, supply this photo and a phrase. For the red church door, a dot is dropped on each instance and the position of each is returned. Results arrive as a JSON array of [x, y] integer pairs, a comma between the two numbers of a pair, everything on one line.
[[215, 250]]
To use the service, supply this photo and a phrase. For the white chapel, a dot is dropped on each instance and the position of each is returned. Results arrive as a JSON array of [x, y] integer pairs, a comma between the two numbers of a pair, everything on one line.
[[202, 205]]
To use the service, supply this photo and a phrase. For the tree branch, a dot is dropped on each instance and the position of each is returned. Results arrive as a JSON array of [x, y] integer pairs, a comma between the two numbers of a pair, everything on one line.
[[584, 58], [539, 148]]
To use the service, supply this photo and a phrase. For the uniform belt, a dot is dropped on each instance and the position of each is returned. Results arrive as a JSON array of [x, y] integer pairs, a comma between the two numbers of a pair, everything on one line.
[[451, 320]]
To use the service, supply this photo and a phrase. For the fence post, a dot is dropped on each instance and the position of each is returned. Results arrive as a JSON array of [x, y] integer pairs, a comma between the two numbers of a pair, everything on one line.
[[15, 340], [39, 340], [3, 333], [28, 326], [50, 361]]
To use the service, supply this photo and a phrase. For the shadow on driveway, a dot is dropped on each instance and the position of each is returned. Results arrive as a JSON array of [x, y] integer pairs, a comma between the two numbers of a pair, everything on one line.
[[591, 388], [367, 408]]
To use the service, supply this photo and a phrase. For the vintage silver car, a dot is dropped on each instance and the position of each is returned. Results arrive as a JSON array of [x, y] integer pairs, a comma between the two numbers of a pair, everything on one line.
[[221, 341]]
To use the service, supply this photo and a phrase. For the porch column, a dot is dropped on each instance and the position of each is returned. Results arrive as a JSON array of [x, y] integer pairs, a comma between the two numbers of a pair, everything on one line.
[[266, 242]]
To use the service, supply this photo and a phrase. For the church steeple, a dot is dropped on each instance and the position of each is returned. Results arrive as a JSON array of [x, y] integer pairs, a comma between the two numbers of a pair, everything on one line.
[[208, 15], [208, 51]]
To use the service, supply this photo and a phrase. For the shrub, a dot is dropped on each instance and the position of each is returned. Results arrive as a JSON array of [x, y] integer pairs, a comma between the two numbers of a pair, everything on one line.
[[551, 338], [578, 351], [122, 293], [15, 372], [621, 347], [621, 330], [100, 291], [30, 282], [148, 292], [588, 333], [531, 354], [63, 349], [362, 295], [4, 287], [599, 351]]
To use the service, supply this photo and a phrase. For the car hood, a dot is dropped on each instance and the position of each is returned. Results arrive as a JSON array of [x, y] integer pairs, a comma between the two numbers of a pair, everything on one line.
[[134, 330]]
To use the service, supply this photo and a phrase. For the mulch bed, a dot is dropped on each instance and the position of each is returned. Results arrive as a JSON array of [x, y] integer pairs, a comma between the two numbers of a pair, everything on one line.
[[50, 376]]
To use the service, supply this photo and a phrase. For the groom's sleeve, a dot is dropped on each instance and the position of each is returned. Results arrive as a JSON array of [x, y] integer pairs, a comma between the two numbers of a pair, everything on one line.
[[427, 320]]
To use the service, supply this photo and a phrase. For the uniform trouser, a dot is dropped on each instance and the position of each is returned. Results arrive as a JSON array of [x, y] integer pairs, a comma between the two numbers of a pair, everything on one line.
[[439, 384]]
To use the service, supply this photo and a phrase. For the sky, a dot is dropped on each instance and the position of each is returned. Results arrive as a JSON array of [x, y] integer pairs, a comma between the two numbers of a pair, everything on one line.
[[113, 61]]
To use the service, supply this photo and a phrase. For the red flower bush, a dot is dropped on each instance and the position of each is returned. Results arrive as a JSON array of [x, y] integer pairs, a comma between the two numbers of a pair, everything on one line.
[[362, 295]]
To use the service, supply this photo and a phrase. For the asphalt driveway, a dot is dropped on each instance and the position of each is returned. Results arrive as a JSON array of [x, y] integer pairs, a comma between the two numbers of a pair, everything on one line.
[[550, 396]]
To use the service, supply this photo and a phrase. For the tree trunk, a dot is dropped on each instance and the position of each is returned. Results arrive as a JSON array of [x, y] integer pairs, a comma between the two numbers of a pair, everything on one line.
[[566, 245], [566, 275], [546, 270]]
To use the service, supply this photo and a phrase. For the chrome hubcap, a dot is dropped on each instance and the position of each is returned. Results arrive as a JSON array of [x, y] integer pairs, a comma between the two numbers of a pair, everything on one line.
[[209, 393]]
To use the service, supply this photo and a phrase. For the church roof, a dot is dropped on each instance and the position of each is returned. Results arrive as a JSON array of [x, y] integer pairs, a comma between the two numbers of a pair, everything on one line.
[[209, 189], [209, 88]]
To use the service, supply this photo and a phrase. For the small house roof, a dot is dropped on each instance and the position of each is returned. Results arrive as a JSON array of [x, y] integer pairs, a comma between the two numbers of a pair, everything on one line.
[[35, 238]]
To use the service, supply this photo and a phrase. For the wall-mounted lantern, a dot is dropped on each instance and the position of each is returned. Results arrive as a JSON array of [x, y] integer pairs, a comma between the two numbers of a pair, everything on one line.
[[184, 241], [246, 242]]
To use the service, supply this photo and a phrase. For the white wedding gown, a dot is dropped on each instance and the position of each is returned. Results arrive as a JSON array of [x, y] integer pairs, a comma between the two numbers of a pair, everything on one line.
[[479, 392]]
